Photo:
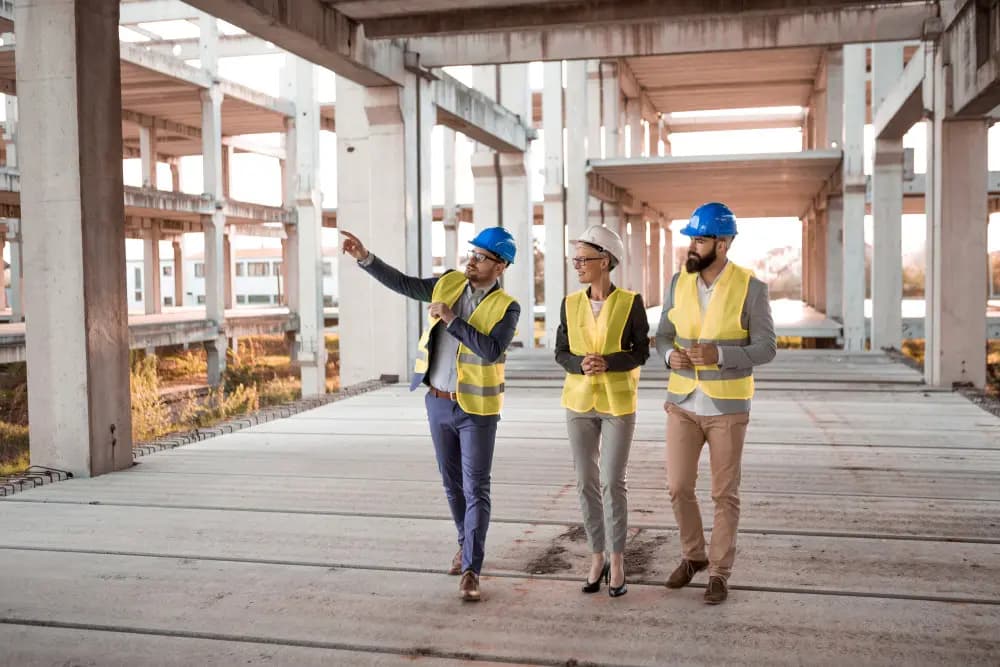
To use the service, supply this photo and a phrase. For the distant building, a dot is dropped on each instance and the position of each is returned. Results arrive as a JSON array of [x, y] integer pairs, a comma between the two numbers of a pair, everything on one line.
[[258, 280]]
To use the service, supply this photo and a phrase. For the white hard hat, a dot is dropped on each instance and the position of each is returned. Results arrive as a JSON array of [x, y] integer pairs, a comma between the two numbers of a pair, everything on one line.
[[606, 239]]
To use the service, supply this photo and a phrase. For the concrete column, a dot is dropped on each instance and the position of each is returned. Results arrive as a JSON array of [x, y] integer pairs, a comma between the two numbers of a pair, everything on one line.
[[653, 264], [636, 252], [519, 278], [3, 276], [152, 296], [450, 201], [577, 137], [214, 225], [178, 273], [854, 198], [485, 163], [611, 113], [834, 258], [10, 125], [887, 210], [227, 173], [69, 85], [228, 268], [175, 175], [664, 135], [147, 155], [310, 341], [806, 259], [16, 271], [595, 134], [554, 212], [377, 203], [955, 328], [668, 255], [637, 134], [820, 271]]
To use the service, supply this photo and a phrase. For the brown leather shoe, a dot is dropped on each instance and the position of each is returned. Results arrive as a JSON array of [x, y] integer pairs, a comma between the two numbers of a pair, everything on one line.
[[468, 586], [685, 572], [717, 591], [456, 563]]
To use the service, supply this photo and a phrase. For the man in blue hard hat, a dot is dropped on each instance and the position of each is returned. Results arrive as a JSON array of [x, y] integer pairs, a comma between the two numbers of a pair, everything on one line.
[[461, 360], [715, 328]]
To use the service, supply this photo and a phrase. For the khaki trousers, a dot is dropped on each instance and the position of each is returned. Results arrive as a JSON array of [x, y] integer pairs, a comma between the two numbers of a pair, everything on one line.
[[686, 433]]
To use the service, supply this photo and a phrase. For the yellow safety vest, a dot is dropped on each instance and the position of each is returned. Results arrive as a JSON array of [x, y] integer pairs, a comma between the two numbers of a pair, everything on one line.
[[721, 325], [613, 392], [480, 383]]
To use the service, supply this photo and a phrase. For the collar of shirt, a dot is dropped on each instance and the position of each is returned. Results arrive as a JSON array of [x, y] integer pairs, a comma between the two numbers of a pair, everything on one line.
[[705, 286], [477, 295]]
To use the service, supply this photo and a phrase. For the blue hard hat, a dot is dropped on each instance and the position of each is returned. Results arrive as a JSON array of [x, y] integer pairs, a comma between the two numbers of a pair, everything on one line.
[[498, 241], [712, 219]]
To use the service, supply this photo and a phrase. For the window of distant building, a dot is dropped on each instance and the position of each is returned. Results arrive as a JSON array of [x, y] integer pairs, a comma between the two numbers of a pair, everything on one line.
[[327, 301], [277, 269], [138, 284], [241, 298], [168, 301], [201, 299], [258, 269], [168, 271], [240, 269], [259, 298], [199, 269], [327, 269]]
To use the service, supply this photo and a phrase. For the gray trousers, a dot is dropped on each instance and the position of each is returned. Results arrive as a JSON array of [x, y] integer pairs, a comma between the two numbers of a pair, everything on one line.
[[600, 445]]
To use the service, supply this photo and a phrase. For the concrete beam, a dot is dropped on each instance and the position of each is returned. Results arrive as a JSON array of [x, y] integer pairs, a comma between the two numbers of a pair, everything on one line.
[[812, 26], [632, 89], [230, 46], [175, 68], [317, 32], [478, 117], [155, 10], [974, 61], [684, 123], [904, 104], [161, 124], [560, 15]]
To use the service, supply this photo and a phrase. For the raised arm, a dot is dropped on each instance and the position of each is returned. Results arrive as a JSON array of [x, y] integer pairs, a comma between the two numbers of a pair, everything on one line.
[[409, 286]]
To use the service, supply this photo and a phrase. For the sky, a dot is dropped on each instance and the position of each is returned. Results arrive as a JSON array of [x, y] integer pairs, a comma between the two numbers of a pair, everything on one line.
[[257, 178]]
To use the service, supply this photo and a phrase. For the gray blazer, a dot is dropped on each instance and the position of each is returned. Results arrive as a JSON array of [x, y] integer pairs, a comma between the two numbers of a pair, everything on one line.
[[755, 318]]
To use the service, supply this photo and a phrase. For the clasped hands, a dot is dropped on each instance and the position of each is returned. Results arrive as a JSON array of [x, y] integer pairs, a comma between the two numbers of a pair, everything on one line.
[[594, 364], [699, 354]]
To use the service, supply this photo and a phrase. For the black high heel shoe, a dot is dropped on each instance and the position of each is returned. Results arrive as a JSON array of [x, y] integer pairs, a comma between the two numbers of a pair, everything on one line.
[[617, 591], [595, 586]]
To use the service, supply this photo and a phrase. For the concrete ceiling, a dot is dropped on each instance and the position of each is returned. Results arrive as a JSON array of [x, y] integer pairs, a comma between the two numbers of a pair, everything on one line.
[[754, 186], [728, 80], [176, 102]]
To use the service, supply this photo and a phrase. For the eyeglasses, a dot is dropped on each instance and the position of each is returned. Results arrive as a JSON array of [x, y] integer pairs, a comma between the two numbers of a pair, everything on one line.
[[478, 257], [580, 261]]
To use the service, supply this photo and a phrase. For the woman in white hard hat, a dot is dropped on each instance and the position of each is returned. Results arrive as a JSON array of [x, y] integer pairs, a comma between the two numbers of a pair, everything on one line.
[[603, 340]]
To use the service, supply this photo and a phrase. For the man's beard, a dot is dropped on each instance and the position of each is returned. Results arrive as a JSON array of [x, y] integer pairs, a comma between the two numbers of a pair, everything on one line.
[[696, 263]]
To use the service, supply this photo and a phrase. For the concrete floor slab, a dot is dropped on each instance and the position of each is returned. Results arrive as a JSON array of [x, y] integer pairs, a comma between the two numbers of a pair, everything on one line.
[[353, 609], [60, 647], [870, 535], [790, 562]]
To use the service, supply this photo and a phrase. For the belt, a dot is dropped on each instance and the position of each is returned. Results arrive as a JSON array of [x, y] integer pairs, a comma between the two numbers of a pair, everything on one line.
[[450, 395]]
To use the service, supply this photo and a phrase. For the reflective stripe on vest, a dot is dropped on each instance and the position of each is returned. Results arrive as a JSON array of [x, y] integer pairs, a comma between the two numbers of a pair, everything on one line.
[[480, 386], [720, 325], [613, 392]]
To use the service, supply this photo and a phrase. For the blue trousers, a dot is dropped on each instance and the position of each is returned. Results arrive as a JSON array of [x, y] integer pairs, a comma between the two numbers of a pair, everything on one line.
[[464, 448]]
